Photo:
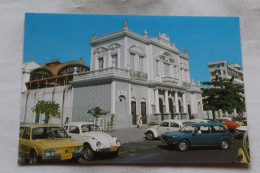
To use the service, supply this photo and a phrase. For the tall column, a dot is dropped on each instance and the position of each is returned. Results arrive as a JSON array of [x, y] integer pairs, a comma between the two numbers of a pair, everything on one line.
[[176, 102], [156, 101], [113, 97], [166, 102], [184, 103]]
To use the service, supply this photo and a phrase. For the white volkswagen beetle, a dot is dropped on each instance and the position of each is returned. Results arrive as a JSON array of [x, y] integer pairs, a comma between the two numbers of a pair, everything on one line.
[[164, 126], [93, 138]]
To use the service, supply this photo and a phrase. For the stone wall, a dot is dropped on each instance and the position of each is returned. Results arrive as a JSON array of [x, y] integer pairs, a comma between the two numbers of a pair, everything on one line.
[[88, 97]]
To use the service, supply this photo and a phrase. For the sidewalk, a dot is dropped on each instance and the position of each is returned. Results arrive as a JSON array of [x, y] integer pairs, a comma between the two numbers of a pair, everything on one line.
[[130, 134]]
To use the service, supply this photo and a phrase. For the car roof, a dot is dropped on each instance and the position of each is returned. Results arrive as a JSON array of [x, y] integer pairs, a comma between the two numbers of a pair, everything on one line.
[[175, 121], [40, 125], [207, 124], [80, 123]]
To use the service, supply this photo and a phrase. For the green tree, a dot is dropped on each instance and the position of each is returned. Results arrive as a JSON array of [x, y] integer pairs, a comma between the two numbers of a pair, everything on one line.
[[223, 95], [49, 108], [97, 111]]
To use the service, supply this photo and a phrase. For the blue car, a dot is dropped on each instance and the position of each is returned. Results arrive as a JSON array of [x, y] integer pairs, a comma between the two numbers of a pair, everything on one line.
[[200, 134]]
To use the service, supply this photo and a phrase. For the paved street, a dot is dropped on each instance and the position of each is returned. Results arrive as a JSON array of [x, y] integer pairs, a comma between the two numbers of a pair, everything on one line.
[[156, 152]]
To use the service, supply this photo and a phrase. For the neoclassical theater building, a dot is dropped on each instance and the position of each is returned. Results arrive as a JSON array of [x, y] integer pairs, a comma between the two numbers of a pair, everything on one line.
[[132, 74]]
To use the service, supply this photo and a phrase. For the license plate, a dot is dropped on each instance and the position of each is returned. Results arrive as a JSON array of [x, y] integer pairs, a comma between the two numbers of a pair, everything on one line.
[[66, 156], [114, 148]]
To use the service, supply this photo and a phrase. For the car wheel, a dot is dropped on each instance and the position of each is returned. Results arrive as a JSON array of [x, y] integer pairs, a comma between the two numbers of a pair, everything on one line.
[[33, 158], [224, 144], [149, 135], [183, 145], [88, 153]]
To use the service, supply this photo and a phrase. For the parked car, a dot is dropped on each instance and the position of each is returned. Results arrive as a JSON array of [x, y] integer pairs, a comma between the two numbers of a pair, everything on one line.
[[231, 125], [241, 129], [39, 143], [243, 153], [199, 134], [164, 126], [93, 138]]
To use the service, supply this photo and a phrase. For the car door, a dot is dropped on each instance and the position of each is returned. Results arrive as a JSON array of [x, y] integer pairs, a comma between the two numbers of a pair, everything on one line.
[[74, 132], [24, 141], [217, 134], [201, 136], [163, 127], [174, 126]]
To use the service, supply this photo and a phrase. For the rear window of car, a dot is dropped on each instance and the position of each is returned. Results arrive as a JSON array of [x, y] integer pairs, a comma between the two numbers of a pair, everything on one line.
[[218, 129], [74, 129], [21, 131], [26, 134], [174, 124], [164, 124]]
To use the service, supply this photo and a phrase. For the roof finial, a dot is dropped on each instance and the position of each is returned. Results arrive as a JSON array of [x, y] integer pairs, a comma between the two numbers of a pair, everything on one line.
[[94, 36], [145, 33], [185, 51], [125, 24]]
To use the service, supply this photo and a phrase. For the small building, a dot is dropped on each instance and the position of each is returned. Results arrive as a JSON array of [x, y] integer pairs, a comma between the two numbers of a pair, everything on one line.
[[49, 82], [226, 71]]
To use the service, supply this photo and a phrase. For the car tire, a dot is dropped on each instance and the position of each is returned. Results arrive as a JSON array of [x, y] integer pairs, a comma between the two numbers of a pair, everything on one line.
[[149, 135], [183, 145], [88, 153], [224, 144], [33, 158]]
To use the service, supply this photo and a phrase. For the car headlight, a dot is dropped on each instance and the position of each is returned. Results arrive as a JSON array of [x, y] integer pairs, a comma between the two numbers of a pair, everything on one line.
[[118, 142], [78, 149], [50, 152], [98, 144]]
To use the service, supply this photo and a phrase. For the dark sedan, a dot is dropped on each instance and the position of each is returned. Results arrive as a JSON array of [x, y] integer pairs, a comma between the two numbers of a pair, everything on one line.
[[200, 134]]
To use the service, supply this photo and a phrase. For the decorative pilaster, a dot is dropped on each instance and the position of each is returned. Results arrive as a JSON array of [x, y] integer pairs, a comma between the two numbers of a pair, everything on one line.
[[166, 102], [156, 101], [176, 102], [184, 103]]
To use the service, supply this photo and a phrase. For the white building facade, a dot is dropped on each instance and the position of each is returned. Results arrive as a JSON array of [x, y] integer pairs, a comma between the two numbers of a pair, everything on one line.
[[133, 74]]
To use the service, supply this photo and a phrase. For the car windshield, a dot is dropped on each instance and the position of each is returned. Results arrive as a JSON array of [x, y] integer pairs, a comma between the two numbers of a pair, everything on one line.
[[48, 133], [89, 128], [187, 128], [228, 120]]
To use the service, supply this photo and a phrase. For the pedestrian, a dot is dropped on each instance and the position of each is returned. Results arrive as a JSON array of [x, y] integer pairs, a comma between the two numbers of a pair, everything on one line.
[[141, 122], [67, 121], [137, 120]]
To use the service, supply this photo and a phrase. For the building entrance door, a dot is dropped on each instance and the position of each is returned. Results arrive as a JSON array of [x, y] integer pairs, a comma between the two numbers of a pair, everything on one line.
[[143, 112], [161, 108], [133, 112]]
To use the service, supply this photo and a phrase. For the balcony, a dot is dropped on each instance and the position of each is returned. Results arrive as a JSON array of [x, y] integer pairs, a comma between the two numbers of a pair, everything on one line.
[[138, 74], [170, 80], [111, 72]]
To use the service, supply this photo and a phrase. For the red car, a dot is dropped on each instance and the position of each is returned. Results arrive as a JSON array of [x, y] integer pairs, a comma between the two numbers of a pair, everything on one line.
[[231, 125]]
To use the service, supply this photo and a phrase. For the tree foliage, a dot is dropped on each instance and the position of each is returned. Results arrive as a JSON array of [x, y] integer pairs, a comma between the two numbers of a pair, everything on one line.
[[223, 95], [49, 108], [97, 111]]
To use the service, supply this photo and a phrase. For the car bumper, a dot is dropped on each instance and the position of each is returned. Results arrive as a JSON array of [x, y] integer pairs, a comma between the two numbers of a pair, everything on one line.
[[168, 141], [107, 149], [58, 158]]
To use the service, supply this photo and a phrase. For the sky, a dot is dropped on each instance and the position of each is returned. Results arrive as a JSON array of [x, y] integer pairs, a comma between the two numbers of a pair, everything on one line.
[[67, 37]]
